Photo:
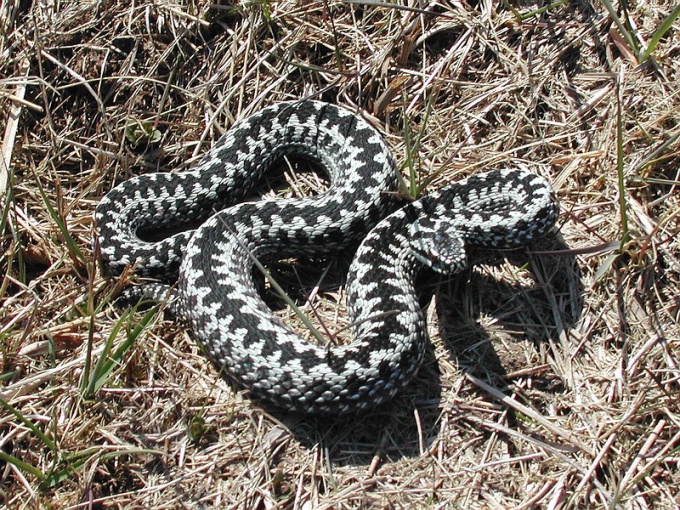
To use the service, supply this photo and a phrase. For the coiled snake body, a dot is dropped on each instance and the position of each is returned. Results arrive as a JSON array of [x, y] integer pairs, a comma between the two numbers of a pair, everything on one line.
[[216, 293]]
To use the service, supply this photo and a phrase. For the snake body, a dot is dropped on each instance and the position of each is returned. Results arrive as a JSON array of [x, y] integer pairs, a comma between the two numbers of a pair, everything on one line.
[[216, 293]]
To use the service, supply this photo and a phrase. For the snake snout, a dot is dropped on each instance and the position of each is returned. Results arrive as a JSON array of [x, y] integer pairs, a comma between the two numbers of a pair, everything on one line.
[[437, 244]]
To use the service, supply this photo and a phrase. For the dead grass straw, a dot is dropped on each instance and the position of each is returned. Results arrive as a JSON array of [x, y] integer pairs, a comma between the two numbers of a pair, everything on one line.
[[549, 384]]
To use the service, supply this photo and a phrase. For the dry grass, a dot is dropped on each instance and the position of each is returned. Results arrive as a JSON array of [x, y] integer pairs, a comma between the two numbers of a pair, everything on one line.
[[550, 386]]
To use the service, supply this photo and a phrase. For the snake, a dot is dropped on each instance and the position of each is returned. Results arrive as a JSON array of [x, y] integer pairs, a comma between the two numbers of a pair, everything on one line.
[[208, 270]]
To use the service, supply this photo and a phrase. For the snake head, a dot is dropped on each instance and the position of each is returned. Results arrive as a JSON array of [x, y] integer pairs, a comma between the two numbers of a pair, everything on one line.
[[437, 244]]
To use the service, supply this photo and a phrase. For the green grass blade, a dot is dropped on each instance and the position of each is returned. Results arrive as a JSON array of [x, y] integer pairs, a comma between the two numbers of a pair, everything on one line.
[[412, 145], [5, 258], [7, 202], [41, 435], [625, 233], [87, 383], [75, 462], [410, 163], [131, 451], [21, 465], [659, 33], [71, 244], [108, 360], [657, 154], [627, 35], [92, 316]]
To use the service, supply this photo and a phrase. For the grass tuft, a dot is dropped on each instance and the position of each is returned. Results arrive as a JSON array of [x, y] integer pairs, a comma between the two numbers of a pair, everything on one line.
[[552, 386], [112, 355]]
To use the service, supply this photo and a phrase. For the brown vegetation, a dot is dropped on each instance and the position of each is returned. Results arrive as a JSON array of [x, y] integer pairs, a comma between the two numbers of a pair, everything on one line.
[[550, 385]]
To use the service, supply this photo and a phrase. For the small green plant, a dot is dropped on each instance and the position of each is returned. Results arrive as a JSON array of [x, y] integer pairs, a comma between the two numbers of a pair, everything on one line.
[[141, 131], [412, 141], [199, 430], [196, 428], [109, 358]]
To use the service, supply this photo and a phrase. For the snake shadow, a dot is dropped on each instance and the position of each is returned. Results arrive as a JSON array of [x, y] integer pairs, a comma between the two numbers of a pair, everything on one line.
[[500, 330], [468, 307]]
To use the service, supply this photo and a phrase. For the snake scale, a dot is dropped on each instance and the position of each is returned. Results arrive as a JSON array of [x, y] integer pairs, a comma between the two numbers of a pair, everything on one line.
[[213, 265]]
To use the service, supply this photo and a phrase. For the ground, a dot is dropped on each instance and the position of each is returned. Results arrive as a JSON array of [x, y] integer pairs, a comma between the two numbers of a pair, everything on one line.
[[552, 379]]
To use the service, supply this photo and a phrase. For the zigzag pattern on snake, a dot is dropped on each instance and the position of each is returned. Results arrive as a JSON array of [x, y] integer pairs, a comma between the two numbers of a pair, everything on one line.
[[216, 293]]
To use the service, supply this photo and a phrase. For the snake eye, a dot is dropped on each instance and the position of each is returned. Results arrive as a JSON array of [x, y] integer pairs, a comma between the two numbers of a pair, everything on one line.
[[438, 245]]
